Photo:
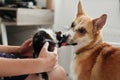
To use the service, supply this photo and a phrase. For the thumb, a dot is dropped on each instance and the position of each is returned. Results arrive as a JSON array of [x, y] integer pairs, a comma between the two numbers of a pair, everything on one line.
[[55, 50], [44, 48]]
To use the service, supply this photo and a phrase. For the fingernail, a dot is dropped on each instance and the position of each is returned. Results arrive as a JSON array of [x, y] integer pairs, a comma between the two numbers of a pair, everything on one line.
[[46, 43]]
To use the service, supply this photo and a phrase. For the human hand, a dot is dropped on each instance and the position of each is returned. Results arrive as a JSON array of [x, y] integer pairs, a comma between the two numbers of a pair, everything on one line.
[[49, 59], [26, 48]]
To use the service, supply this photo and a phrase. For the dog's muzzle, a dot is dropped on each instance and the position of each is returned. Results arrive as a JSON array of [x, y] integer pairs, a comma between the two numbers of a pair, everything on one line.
[[63, 40]]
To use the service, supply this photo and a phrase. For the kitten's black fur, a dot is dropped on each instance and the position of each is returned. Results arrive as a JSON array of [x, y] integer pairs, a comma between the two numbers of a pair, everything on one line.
[[39, 39]]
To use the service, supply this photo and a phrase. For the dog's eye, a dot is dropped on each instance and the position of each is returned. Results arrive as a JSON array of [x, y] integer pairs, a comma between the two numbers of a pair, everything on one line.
[[82, 30]]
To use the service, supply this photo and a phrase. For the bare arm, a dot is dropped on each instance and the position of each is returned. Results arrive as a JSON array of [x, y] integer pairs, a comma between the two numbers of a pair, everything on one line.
[[11, 67], [24, 50], [9, 49], [44, 63]]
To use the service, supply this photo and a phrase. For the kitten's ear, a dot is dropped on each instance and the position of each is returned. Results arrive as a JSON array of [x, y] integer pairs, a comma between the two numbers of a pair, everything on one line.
[[80, 10], [58, 35], [98, 23]]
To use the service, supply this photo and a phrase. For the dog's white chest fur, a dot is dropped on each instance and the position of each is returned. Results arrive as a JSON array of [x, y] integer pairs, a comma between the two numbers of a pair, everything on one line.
[[77, 68], [73, 73]]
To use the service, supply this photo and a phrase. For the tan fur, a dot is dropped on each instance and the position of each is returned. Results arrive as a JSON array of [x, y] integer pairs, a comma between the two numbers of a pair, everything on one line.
[[96, 60]]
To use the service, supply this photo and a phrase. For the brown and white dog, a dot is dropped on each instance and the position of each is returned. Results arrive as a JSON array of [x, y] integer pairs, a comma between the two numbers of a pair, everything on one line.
[[95, 59]]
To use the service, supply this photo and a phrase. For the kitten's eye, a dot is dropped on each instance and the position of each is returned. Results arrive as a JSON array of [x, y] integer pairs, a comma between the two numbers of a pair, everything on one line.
[[72, 25], [82, 30]]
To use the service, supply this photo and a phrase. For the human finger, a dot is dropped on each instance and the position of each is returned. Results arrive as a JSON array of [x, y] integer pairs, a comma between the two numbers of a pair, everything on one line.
[[44, 48], [55, 50]]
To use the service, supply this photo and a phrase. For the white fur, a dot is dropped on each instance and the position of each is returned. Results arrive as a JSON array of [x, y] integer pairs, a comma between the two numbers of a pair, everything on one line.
[[81, 42], [50, 32], [73, 75], [71, 34]]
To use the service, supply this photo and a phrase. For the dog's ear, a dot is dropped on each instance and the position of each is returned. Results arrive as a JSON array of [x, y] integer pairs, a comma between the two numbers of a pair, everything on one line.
[[98, 23], [80, 10]]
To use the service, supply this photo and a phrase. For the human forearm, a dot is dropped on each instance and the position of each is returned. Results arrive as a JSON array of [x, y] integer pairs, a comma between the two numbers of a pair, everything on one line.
[[9, 49], [12, 67], [44, 63]]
